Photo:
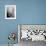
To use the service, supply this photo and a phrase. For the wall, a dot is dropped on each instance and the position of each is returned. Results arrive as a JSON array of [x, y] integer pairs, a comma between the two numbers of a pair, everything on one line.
[[31, 11], [6, 26]]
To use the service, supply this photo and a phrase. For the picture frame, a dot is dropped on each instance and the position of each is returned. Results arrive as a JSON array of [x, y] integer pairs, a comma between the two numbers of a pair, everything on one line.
[[36, 32], [10, 11]]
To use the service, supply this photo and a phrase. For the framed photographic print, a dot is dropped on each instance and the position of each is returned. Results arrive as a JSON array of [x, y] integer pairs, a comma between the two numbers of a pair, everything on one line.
[[10, 11], [33, 32]]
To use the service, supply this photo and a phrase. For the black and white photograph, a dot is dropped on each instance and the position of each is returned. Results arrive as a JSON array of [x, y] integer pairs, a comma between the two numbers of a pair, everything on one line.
[[10, 11], [31, 34]]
